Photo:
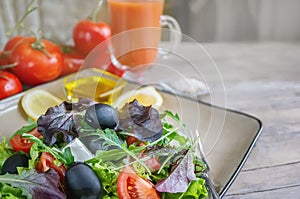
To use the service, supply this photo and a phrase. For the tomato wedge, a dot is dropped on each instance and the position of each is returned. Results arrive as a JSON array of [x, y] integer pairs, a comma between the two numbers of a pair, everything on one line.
[[19, 143], [132, 186], [47, 161]]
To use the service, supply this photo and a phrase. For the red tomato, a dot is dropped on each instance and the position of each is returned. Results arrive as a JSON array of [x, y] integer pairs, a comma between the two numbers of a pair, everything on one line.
[[87, 35], [3, 58], [73, 60], [19, 143], [36, 62], [9, 84], [12, 42], [114, 70], [131, 186], [47, 161]]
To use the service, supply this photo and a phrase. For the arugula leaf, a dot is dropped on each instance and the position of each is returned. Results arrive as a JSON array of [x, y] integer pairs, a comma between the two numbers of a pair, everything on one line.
[[65, 157], [110, 138], [175, 137], [27, 128], [108, 156], [35, 185]]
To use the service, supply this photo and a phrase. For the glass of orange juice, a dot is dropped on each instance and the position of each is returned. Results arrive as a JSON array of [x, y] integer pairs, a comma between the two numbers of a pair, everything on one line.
[[136, 27]]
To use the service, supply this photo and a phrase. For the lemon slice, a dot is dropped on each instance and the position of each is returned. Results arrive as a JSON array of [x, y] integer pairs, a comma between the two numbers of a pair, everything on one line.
[[146, 96], [36, 102]]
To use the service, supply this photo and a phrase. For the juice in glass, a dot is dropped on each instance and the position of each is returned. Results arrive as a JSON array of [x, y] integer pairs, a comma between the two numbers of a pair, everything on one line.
[[137, 47]]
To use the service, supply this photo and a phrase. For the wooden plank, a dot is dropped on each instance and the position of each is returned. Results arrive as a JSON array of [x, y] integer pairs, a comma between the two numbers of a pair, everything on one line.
[[280, 115], [285, 192], [267, 179]]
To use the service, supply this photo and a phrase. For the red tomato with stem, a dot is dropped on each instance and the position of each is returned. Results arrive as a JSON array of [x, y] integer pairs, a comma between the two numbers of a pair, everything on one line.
[[36, 62], [18, 143], [73, 59], [9, 84], [12, 42], [132, 186], [87, 35], [46, 162]]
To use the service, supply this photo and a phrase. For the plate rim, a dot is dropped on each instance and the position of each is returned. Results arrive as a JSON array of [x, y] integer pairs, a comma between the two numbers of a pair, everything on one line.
[[223, 191]]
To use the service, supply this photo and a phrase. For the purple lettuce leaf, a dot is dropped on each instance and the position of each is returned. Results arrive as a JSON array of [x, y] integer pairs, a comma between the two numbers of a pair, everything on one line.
[[178, 181], [144, 121], [64, 119], [36, 185]]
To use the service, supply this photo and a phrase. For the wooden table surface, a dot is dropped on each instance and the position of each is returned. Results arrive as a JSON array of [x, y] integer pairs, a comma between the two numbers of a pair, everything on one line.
[[263, 79]]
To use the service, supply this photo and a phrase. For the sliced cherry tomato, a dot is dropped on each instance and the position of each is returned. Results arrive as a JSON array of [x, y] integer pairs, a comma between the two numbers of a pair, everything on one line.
[[47, 161], [153, 163], [73, 59], [132, 186], [10, 44], [19, 143], [131, 139], [37, 62], [87, 35], [9, 84]]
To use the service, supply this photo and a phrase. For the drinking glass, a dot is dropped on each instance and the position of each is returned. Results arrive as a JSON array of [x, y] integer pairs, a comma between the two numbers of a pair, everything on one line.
[[136, 27]]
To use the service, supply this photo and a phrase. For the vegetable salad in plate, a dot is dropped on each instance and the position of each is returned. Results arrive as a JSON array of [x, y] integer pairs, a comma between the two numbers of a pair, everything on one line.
[[87, 149]]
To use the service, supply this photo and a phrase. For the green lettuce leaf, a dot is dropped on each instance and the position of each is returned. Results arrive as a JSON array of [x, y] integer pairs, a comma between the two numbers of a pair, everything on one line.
[[9, 192], [108, 178], [5, 151]]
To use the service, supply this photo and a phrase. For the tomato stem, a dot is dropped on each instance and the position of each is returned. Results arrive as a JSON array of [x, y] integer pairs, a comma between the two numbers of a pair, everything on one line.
[[20, 24], [38, 45], [4, 77], [4, 54], [8, 66], [94, 14]]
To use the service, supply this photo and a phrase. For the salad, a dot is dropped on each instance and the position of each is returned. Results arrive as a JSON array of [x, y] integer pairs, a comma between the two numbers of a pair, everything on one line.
[[87, 149]]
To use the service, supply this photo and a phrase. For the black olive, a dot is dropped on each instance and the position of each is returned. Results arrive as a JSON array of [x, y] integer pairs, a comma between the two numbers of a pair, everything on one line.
[[102, 116], [82, 182], [17, 160]]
